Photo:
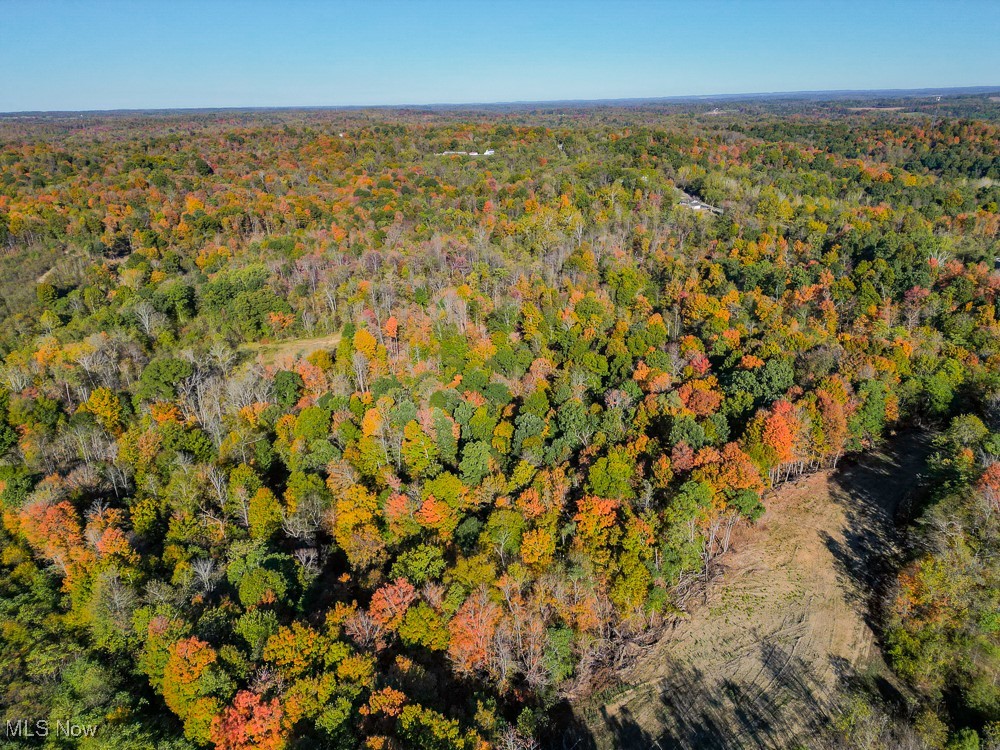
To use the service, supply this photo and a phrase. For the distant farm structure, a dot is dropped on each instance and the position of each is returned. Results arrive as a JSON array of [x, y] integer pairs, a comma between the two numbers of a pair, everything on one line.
[[487, 152], [696, 204]]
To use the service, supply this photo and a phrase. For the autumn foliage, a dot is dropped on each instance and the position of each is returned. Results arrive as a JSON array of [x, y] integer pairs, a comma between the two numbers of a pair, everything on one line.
[[314, 436]]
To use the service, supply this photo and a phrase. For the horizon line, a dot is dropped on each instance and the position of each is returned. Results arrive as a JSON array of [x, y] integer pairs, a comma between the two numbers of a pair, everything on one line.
[[819, 95]]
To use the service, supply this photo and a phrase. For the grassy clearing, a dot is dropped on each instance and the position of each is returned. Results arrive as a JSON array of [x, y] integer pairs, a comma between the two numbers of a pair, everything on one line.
[[274, 352]]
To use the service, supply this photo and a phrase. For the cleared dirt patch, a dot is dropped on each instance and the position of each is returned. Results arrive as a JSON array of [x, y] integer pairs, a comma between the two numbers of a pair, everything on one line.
[[762, 660]]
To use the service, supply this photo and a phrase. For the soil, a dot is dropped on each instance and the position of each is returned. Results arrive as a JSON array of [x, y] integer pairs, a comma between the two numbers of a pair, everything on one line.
[[763, 658]]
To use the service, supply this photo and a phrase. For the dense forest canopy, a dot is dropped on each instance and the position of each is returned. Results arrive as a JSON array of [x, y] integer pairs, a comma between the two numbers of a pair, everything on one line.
[[313, 436]]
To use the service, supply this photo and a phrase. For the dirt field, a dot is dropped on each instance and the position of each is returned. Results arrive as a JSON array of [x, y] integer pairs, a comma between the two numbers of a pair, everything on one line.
[[761, 661]]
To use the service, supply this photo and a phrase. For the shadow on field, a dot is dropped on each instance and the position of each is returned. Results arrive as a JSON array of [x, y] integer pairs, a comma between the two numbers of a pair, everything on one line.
[[733, 715], [875, 492]]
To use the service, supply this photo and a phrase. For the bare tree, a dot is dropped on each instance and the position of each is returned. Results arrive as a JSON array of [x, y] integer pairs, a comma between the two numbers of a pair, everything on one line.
[[360, 363], [205, 573], [115, 600], [223, 356], [364, 630], [16, 377], [217, 478], [148, 317], [306, 520], [511, 739], [248, 387], [308, 558], [159, 592]]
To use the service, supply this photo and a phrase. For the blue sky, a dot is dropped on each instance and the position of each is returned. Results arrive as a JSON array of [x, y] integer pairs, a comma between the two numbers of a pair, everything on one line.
[[218, 53]]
